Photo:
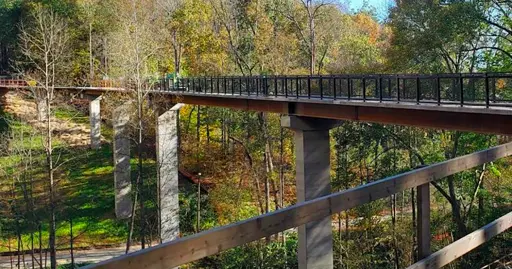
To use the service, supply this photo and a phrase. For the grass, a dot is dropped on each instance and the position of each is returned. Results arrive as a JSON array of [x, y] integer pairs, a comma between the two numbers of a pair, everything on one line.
[[85, 183]]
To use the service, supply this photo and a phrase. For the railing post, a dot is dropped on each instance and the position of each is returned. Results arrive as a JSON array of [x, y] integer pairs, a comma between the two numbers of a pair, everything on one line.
[[232, 86], [297, 86], [461, 82], [321, 82], [257, 86], [364, 89], [423, 221], [487, 97], [379, 86], [285, 81], [349, 88], [309, 87], [418, 90], [275, 86], [438, 85], [398, 89], [334, 87], [225, 86]]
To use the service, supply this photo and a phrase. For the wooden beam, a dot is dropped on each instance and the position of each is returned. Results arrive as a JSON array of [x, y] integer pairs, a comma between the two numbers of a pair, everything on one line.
[[191, 248], [462, 246], [423, 232]]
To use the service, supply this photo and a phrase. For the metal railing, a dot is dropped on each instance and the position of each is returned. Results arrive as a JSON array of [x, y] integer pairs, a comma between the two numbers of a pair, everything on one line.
[[470, 89]]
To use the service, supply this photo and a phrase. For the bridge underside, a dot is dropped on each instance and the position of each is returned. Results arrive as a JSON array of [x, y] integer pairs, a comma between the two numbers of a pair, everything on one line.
[[492, 121]]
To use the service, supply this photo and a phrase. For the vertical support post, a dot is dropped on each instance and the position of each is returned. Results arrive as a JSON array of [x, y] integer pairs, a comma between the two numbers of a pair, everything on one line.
[[364, 89], [349, 88], [312, 150], [378, 81], [285, 81], [438, 89], [398, 89], [95, 121], [275, 86], [309, 87], [487, 98], [297, 86], [461, 87], [418, 91], [334, 85], [122, 173], [321, 82], [167, 139], [423, 221]]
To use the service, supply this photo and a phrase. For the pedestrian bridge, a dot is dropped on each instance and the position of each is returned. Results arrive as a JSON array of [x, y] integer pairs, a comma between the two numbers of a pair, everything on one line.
[[313, 105]]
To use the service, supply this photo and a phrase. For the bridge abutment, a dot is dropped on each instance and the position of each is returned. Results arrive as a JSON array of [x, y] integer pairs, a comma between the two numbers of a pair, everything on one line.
[[122, 172], [167, 137], [312, 151]]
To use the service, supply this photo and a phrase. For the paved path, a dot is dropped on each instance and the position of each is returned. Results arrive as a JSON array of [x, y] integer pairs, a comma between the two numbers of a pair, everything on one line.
[[63, 257]]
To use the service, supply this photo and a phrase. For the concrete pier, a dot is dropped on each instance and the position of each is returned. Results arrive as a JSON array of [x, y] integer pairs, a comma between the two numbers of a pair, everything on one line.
[[122, 173], [313, 168], [95, 120], [168, 168]]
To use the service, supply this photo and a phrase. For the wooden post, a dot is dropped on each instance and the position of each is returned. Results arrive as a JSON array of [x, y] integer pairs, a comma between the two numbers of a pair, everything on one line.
[[423, 220]]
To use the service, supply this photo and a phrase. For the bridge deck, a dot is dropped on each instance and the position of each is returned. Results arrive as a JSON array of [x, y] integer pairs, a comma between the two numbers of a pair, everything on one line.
[[468, 102]]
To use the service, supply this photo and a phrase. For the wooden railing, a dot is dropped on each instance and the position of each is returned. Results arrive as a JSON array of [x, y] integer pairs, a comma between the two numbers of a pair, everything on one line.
[[191, 248], [462, 246]]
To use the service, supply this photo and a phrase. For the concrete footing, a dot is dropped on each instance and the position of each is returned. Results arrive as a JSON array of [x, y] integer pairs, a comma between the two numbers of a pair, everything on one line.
[[122, 173], [312, 151], [168, 169]]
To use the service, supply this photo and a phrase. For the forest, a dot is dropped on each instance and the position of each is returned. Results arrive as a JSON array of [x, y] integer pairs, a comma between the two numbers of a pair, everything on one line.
[[57, 195]]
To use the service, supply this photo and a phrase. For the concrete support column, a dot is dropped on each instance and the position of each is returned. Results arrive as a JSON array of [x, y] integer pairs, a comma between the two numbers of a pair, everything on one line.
[[42, 109], [95, 120], [313, 168], [168, 170], [122, 172]]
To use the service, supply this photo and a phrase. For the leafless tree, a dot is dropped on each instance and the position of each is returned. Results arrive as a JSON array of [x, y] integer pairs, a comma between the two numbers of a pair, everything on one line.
[[309, 11], [135, 54], [43, 46]]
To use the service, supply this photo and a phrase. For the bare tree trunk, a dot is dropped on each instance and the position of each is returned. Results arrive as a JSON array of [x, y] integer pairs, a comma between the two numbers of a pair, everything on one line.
[[131, 224], [71, 243], [140, 179], [40, 245], [207, 126], [91, 62]]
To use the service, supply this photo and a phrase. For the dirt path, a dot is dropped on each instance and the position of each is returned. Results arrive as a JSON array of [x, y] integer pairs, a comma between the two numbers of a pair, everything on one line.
[[71, 133]]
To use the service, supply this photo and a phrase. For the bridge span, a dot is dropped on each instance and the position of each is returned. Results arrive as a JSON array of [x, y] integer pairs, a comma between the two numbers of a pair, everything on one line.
[[477, 102]]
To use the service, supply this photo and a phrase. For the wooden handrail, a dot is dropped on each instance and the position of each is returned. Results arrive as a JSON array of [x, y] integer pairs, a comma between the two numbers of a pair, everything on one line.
[[462, 246], [197, 246]]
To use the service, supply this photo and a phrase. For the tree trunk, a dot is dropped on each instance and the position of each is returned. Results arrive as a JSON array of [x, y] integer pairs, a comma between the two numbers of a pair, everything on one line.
[[91, 62], [71, 243]]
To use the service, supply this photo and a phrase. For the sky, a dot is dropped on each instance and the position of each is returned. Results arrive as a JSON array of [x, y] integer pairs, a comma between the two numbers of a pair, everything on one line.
[[381, 6]]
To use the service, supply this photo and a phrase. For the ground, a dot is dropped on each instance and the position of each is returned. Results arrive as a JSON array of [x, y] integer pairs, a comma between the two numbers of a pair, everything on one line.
[[85, 179]]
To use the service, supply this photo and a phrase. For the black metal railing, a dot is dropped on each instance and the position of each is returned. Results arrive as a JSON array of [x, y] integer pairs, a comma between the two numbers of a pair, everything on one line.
[[472, 89]]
